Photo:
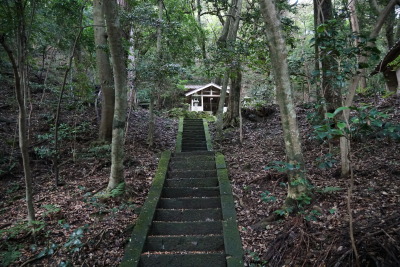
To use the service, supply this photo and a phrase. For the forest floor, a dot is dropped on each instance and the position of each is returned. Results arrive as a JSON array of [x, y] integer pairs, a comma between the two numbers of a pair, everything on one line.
[[78, 228]]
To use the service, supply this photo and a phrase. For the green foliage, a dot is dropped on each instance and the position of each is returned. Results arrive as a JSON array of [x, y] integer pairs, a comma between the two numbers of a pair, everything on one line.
[[116, 192], [11, 254], [366, 121], [256, 260], [74, 243], [47, 251], [50, 208], [284, 211], [395, 64], [267, 197], [303, 200], [282, 166], [326, 161], [97, 151], [65, 132], [312, 215]]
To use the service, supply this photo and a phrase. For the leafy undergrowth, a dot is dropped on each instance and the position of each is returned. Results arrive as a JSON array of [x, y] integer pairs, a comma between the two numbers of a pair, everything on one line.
[[74, 226], [317, 234]]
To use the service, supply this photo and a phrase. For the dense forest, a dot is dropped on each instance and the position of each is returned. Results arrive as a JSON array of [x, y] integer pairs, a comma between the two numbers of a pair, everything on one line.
[[92, 92]]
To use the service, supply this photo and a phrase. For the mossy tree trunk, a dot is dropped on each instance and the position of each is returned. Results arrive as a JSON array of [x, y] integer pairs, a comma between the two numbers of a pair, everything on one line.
[[280, 70], [104, 72], [120, 82]]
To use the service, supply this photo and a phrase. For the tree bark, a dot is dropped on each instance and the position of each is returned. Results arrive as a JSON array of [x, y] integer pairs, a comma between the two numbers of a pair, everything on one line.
[[104, 73], [120, 82], [280, 70], [232, 116]]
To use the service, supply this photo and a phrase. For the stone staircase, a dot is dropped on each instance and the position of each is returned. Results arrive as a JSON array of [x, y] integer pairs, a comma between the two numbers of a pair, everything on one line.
[[193, 221]]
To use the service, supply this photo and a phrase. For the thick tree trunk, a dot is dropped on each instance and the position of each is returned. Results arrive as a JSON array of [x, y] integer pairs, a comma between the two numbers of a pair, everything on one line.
[[280, 70], [104, 72], [120, 82]]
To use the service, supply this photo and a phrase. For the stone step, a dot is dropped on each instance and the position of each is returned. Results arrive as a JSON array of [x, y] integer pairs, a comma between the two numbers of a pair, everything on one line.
[[195, 142], [191, 182], [188, 149], [193, 132], [193, 154], [192, 165], [183, 260], [190, 203], [185, 228], [177, 215], [185, 243], [190, 159], [176, 192], [191, 174]]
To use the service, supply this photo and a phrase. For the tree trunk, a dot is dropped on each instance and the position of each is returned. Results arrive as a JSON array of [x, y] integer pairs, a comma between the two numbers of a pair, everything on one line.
[[20, 96], [120, 82], [232, 116], [226, 40], [104, 73], [280, 70]]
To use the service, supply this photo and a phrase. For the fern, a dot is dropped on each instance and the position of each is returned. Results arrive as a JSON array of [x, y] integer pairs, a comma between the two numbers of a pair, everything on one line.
[[119, 190], [116, 192]]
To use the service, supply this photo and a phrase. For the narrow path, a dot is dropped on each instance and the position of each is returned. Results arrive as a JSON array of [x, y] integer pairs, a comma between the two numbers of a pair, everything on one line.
[[189, 217]]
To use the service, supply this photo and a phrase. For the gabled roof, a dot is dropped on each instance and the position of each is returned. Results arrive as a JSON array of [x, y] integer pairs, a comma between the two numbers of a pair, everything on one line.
[[391, 55], [197, 88]]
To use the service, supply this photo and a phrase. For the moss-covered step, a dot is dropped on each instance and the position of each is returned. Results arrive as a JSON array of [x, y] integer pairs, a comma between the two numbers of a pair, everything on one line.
[[185, 243], [190, 203], [188, 215]]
